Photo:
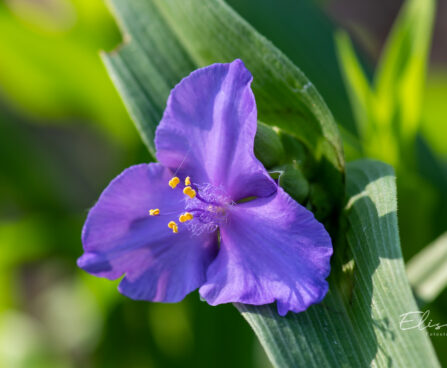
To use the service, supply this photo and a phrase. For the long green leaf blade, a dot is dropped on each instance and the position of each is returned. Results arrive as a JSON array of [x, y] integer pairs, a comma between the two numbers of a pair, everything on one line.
[[147, 66], [170, 38], [427, 270], [401, 73], [356, 81], [212, 32], [287, 23], [358, 323]]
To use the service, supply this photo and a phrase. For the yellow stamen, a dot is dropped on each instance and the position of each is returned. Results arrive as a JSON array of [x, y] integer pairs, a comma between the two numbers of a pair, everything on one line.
[[191, 193], [172, 225], [185, 217], [188, 181], [174, 182], [154, 212]]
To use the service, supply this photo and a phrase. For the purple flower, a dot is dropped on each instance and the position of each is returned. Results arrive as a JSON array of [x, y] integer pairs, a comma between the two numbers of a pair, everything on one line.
[[178, 225]]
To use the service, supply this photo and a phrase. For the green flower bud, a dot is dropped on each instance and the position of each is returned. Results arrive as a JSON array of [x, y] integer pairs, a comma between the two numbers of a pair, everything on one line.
[[268, 147], [292, 180]]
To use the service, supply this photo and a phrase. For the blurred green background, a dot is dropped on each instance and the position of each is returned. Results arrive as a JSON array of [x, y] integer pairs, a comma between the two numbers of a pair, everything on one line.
[[64, 134]]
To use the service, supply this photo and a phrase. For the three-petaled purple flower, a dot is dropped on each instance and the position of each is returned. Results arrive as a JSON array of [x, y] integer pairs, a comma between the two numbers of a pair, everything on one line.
[[181, 224]]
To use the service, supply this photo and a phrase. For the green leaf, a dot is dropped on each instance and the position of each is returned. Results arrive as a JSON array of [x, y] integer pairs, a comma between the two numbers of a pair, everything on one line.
[[433, 114], [168, 39], [427, 270], [388, 113], [358, 85], [303, 31], [401, 73], [357, 325], [147, 66]]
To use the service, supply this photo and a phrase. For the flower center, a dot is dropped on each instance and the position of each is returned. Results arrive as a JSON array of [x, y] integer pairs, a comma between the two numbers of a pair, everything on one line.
[[205, 207]]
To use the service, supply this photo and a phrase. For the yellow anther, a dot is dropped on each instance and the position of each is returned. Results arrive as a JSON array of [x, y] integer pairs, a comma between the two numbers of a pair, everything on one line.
[[188, 181], [172, 225], [154, 212], [191, 193], [174, 182], [185, 217]]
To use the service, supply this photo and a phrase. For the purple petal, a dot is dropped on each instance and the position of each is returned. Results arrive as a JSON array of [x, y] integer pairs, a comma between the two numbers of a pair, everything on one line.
[[208, 131], [120, 237], [272, 249]]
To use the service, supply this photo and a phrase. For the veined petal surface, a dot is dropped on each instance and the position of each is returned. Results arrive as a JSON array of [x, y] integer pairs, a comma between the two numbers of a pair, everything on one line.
[[272, 249], [208, 130], [120, 237]]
